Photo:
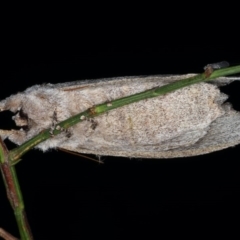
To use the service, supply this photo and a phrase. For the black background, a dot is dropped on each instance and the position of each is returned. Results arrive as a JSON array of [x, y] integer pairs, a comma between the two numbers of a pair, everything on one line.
[[69, 197]]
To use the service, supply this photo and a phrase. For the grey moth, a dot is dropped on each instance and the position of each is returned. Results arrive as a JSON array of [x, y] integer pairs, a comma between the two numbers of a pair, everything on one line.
[[191, 121]]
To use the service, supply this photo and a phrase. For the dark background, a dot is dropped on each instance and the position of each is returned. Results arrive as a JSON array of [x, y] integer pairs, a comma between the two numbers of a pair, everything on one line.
[[69, 197]]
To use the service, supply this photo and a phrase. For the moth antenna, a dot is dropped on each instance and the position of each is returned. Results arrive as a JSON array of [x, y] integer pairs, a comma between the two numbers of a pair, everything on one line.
[[81, 155]]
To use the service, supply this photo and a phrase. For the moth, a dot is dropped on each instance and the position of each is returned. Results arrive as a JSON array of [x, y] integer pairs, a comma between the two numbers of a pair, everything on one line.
[[190, 121]]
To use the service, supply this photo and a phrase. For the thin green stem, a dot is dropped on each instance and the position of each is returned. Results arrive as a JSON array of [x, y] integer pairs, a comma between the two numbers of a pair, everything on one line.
[[14, 193], [16, 153]]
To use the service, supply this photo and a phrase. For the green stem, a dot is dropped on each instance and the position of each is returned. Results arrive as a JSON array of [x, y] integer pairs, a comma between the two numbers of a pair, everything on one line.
[[14, 193], [16, 153]]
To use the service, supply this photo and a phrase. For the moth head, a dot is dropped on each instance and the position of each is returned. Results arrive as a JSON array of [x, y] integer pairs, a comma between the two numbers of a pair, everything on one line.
[[33, 112], [27, 110], [21, 119], [14, 104]]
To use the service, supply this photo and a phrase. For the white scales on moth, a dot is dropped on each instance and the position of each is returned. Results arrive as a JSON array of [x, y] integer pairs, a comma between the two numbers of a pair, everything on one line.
[[190, 121]]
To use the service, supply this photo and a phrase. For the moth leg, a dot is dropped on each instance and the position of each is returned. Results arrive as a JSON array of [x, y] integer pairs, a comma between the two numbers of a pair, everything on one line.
[[57, 127], [93, 122], [54, 123], [13, 135]]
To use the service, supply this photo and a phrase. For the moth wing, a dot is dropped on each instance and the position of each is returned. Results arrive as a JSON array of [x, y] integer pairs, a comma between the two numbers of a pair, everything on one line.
[[224, 132]]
